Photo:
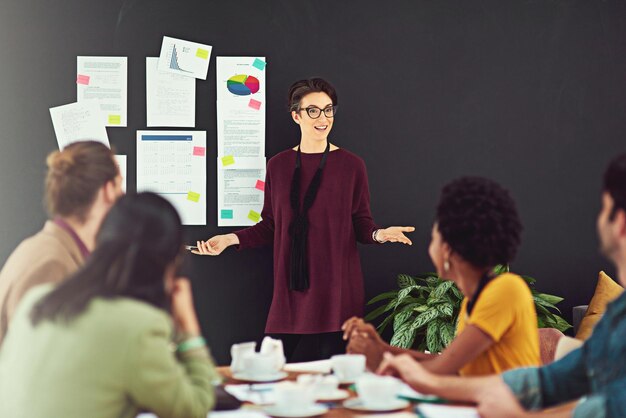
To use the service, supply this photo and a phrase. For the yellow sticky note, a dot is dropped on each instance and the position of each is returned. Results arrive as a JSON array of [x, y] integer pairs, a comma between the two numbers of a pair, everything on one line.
[[254, 216], [193, 196], [228, 160], [202, 53], [115, 119]]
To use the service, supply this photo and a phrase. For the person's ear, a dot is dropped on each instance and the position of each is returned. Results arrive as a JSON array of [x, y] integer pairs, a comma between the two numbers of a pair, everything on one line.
[[110, 193], [620, 222], [295, 116]]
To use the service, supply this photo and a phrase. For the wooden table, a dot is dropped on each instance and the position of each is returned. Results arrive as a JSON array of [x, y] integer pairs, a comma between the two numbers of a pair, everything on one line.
[[339, 412]]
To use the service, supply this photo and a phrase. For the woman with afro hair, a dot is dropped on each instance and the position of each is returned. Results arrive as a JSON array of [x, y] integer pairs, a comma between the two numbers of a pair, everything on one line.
[[476, 228]]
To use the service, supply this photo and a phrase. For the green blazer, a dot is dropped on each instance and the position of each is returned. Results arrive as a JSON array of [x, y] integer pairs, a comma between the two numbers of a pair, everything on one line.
[[112, 361]]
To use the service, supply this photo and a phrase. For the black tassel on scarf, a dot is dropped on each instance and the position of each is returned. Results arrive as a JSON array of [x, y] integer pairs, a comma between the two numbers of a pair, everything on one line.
[[299, 228]]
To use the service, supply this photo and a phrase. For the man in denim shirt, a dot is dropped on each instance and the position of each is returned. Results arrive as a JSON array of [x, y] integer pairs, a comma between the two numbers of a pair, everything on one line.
[[593, 375]]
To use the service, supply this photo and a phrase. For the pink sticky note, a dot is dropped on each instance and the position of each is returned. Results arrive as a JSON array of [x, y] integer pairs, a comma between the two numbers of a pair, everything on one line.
[[260, 185], [198, 151], [82, 79], [255, 104]]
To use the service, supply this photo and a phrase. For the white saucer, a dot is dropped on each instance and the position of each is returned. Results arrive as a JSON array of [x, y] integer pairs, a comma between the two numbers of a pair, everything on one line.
[[337, 395], [272, 377], [358, 405], [311, 411]]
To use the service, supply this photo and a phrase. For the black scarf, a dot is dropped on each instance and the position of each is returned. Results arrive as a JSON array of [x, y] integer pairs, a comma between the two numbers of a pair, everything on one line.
[[298, 230]]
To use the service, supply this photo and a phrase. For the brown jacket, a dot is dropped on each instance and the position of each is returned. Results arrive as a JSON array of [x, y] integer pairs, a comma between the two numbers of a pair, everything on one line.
[[49, 256]]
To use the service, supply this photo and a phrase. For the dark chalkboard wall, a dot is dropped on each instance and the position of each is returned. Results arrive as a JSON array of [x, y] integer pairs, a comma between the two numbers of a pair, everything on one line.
[[530, 93]]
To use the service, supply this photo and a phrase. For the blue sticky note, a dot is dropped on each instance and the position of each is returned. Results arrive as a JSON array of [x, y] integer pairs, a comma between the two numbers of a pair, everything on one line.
[[260, 64], [226, 214]]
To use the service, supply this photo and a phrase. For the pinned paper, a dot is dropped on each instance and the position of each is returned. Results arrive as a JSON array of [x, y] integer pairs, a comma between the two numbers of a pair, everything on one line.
[[228, 160], [260, 185], [226, 214], [82, 79], [115, 119], [199, 151], [254, 216], [193, 196], [255, 104], [202, 53], [259, 64]]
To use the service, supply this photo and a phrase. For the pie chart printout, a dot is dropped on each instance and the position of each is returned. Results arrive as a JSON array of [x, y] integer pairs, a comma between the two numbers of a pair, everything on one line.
[[242, 85]]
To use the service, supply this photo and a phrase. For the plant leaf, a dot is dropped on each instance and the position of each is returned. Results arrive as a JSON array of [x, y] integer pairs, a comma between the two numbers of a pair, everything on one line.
[[404, 280], [379, 311], [441, 289], [402, 317], [404, 336], [424, 318], [445, 309], [383, 296], [549, 298], [432, 337], [562, 324], [446, 334]]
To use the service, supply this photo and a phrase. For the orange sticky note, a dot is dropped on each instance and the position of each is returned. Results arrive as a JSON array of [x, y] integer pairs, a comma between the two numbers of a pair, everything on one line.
[[260, 185]]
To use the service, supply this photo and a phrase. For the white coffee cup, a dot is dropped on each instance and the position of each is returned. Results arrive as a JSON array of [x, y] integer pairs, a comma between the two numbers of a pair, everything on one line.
[[377, 391], [258, 364], [292, 396], [238, 352], [348, 367]]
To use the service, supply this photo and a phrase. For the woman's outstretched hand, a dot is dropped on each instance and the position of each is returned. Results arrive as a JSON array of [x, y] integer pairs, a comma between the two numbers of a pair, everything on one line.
[[215, 245], [395, 234]]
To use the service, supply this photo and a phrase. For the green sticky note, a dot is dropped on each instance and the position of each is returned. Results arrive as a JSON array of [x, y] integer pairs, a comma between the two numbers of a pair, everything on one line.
[[193, 196], [228, 160], [115, 119], [254, 216], [226, 214], [202, 53], [259, 64]]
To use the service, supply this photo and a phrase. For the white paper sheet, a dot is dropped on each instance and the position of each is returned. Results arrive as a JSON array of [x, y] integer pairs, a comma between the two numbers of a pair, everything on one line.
[[240, 78], [122, 164], [173, 164], [78, 122], [186, 58], [241, 106], [447, 411], [170, 98], [240, 130], [240, 190], [104, 79]]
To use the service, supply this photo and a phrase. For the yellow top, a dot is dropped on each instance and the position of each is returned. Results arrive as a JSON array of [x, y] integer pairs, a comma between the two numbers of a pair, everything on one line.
[[505, 311]]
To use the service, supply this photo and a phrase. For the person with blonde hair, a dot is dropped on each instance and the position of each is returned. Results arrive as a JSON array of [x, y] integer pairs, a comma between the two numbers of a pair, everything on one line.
[[82, 183]]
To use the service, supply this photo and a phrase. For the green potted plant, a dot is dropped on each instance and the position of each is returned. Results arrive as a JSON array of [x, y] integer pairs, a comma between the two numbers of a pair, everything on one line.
[[425, 309]]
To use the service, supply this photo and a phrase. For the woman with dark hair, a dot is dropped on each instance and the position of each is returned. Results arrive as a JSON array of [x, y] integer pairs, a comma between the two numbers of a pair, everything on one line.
[[316, 208], [476, 228], [99, 344], [82, 183]]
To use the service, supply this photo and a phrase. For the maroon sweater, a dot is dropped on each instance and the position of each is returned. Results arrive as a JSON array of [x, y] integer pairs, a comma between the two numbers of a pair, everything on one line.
[[339, 217]]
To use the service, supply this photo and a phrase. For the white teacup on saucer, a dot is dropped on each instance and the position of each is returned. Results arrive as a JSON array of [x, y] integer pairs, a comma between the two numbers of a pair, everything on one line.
[[348, 367], [378, 392], [259, 365]]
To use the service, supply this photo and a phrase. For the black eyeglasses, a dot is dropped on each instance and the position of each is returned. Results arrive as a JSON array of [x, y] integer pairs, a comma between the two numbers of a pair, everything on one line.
[[315, 112]]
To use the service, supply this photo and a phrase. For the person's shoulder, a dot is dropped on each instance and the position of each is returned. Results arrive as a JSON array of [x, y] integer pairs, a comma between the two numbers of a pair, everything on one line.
[[281, 159], [350, 160], [510, 286], [144, 315]]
